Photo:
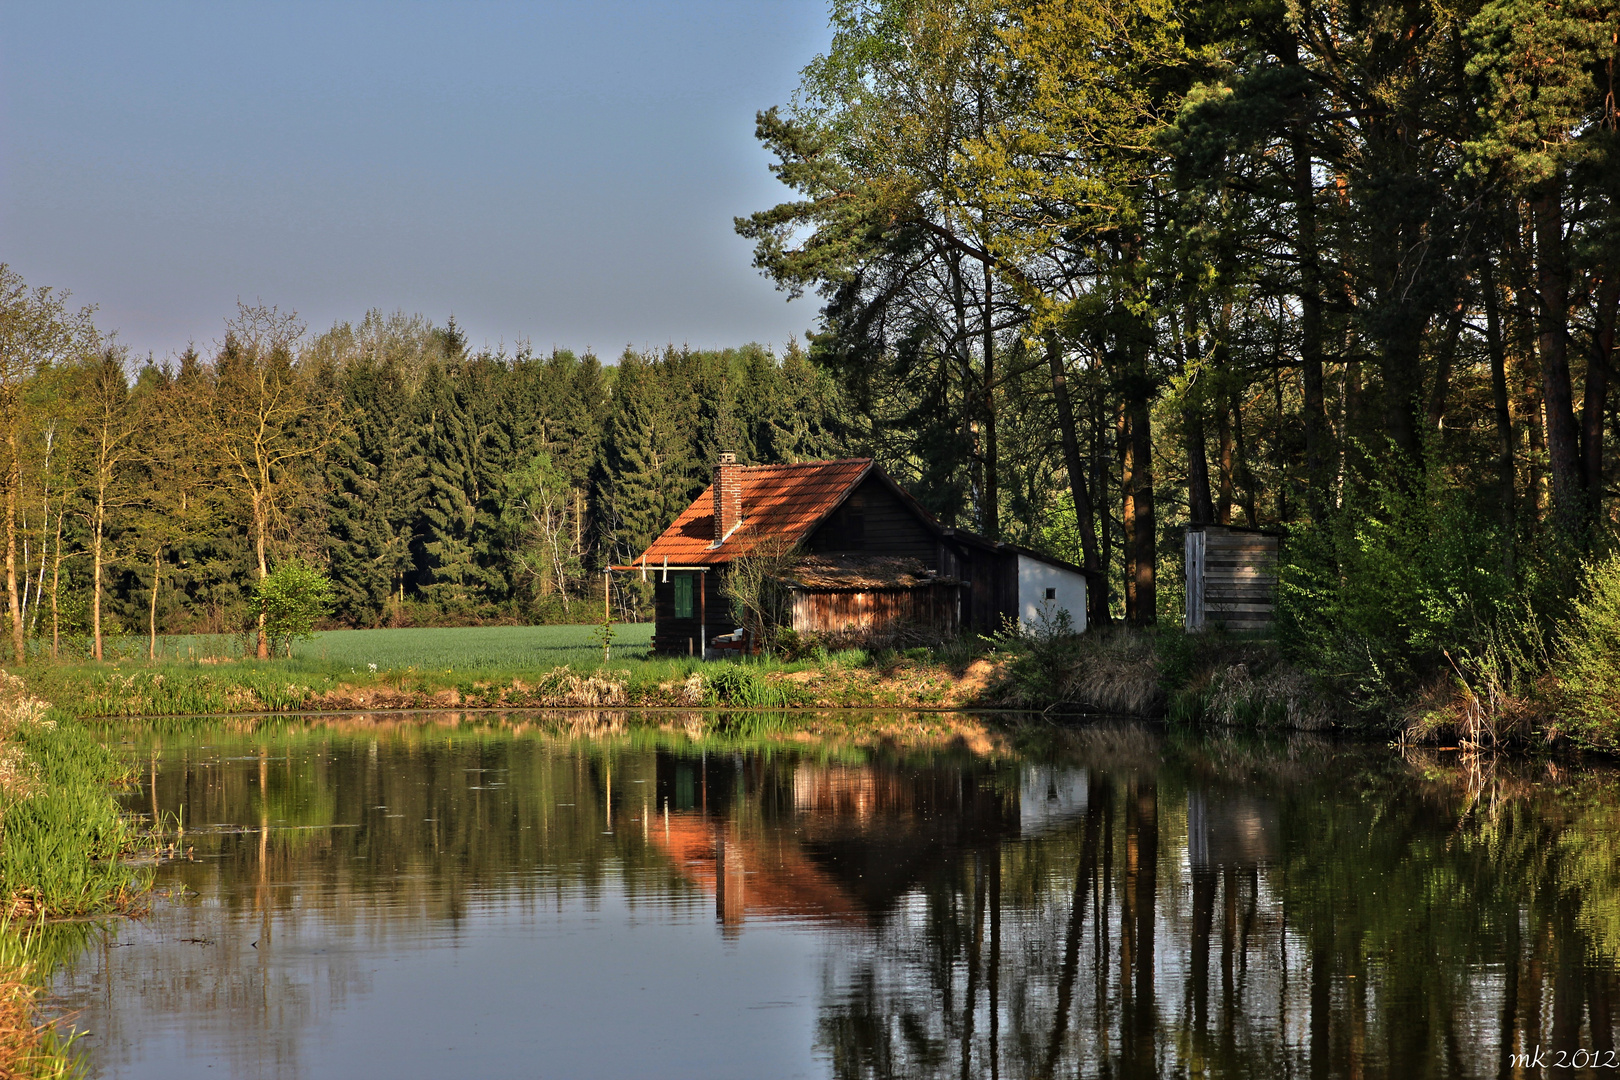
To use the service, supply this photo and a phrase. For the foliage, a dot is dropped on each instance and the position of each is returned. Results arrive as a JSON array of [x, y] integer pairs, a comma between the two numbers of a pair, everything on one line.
[[62, 829], [292, 599], [1407, 570], [740, 686], [1587, 669], [760, 601]]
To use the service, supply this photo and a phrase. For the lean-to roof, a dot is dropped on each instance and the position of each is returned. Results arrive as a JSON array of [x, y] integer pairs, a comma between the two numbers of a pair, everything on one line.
[[860, 572]]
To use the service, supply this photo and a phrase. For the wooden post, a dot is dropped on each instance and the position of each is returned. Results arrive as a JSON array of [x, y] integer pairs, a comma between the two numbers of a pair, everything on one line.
[[607, 616], [703, 618]]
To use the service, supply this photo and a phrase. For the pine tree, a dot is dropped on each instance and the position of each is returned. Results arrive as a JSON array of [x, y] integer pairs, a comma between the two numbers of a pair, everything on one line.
[[447, 505]]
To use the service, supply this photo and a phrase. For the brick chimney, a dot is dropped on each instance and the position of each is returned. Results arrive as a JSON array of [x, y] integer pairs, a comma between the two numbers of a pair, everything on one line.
[[727, 496]]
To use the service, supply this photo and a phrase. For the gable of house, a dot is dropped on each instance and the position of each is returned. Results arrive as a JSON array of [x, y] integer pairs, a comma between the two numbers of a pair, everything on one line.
[[875, 518]]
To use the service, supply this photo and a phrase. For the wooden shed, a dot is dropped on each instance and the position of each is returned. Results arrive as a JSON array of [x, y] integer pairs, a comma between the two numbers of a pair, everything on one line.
[[1231, 577]]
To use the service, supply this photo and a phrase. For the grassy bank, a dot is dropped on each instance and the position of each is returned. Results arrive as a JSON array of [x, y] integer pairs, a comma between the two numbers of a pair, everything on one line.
[[60, 835], [1117, 671], [500, 668]]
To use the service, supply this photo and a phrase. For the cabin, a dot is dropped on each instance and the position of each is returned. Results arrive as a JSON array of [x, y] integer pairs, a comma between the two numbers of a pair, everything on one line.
[[869, 560], [1231, 578]]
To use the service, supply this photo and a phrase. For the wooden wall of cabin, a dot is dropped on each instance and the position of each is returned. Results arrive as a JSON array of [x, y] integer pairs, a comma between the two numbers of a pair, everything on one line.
[[990, 584], [932, 609], [877, 521], [679, 637]]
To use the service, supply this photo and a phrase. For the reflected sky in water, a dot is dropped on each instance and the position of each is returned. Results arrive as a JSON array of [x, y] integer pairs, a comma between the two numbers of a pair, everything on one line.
[[436, 896]]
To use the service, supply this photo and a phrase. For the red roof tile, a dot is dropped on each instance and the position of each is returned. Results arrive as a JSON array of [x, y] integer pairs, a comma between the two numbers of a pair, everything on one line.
[[778, 501]]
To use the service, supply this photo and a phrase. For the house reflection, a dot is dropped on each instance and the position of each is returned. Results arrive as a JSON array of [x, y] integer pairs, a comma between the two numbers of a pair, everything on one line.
[[786, 839]]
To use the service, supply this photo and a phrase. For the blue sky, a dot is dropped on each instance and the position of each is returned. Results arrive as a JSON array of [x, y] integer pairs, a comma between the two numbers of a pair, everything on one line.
[[564, 173]]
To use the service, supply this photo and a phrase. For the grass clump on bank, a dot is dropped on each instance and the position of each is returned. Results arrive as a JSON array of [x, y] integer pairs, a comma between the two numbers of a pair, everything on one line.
[[1213, 677], [1537, 677], [60, 837]]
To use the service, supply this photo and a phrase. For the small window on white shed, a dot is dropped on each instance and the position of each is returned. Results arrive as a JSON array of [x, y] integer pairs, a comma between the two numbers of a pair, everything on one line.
[[1051, 594]]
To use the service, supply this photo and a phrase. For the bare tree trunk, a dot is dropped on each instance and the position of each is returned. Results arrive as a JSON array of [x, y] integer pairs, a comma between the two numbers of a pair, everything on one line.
[[1096, 606], [1538, 443], [992, 484], [1223, 428], [1145, 526], [96, 533], [56, 587], [151, 613], [1200, 505], [1440, 397], [1245, 479], [1311, 336], [1105, 541], [1127, 517], [1504, 414], [1563, 440], [264, 568], [13, 497], [1595, 407]]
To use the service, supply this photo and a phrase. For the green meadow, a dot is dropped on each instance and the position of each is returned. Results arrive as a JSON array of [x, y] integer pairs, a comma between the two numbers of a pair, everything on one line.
[[458, 648]]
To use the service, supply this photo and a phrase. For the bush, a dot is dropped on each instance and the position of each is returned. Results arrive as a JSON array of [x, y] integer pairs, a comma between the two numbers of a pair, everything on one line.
[[738, 686], [1587, 671], [292, 599], [1405, 572]]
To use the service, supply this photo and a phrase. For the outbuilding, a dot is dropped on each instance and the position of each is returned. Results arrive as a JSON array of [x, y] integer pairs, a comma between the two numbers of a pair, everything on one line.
[[1231, 577]]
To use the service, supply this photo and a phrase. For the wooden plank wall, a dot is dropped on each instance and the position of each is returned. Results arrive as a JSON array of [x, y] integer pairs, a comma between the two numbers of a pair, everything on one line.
[[679, 636], [876, 611], [1231, 579], [887, 527]]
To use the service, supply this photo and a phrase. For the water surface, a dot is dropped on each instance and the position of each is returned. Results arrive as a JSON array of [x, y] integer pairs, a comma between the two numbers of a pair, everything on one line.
[[440, 896]]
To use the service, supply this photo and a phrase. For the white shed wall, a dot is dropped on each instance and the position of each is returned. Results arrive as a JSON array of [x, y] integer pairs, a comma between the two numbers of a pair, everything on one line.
[[1035, 577]]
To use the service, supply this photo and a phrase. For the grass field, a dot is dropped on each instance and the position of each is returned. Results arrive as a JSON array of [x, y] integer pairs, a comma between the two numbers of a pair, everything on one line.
[[460, 648]]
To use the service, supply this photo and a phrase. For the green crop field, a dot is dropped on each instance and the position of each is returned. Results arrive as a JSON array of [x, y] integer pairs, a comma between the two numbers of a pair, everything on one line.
[[461, 648]]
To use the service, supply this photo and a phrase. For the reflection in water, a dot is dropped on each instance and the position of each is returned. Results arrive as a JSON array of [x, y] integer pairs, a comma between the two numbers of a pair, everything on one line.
[[419, 898]]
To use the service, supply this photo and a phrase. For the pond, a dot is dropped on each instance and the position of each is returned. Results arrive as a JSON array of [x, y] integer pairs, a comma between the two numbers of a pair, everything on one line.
[[535, 896]]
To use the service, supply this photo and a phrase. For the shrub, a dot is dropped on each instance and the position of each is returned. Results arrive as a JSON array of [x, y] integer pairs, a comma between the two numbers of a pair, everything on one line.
[[292, 599], [1405, 571], [1587, 671], [738, 686]]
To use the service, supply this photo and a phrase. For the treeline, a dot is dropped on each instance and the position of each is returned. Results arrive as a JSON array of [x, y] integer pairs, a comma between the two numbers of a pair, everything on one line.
[[1348, 270], [432, 484]]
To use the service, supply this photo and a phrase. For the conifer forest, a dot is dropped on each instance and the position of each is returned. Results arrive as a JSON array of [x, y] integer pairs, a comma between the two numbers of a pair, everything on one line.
[[1078, 274]]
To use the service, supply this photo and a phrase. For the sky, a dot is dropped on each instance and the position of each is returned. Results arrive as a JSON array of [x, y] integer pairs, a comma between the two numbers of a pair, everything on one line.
[[559, 173]]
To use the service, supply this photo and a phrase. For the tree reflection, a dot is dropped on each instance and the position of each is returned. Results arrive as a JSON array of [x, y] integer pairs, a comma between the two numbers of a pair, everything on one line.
[[1126, 905], [1258, 913]]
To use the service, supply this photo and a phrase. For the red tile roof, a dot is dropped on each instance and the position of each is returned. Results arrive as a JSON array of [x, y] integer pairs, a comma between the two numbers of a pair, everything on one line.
[[779, 502]]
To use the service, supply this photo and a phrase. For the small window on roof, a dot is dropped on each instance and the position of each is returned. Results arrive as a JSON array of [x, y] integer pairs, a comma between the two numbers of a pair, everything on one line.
[[683, 595], [1051, 594]]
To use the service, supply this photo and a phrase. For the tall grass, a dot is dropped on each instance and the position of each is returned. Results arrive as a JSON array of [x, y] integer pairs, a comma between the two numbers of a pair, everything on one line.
[[60, 837]]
